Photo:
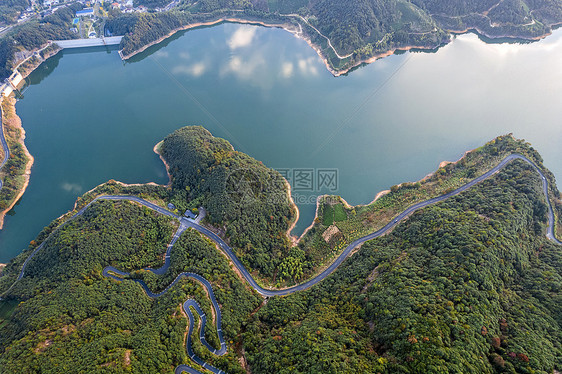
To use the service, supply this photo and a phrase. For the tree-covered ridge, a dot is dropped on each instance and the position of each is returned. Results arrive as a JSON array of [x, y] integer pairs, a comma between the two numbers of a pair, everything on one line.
[[350, 32], [339, 224], [347, 32], [142, 29], [469, 285], [243, 198], [10, 10], [35, 34], [72, 318]]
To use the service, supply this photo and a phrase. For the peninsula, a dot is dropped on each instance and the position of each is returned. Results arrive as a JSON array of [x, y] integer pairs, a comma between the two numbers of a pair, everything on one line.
[[419, 275]]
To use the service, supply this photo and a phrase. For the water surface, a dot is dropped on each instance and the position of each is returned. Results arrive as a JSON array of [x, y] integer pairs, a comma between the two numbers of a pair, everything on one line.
[[89, 117]]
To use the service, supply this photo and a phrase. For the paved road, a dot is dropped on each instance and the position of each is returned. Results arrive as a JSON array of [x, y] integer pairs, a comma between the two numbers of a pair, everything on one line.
[[188, 223], [376, 234], [118, 275]]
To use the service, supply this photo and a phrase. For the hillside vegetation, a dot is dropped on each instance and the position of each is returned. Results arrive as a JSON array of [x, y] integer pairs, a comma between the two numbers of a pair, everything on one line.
[[72, 318], [10, 10], [35, 34], [467, 285], [349, 32], [243, 198]]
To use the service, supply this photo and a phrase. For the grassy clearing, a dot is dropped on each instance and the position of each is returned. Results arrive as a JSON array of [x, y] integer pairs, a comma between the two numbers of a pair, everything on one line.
[[339, 213]]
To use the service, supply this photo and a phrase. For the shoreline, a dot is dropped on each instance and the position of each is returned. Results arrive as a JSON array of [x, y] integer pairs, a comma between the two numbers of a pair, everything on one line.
[[155, 150], [203, 24], [296, 33], [477, 31], [336, 73], [30, 159], [377, 196], [11, 101], [293, 239], [41, 60]]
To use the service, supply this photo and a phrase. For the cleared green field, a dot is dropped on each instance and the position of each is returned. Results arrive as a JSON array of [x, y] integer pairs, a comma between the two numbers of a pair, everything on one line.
[[333, 213], [339, 213]]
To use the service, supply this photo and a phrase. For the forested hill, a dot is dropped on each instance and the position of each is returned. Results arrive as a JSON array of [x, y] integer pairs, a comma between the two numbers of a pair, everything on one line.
[[470, 284], [245, 200], [30, 36], [348, 32]]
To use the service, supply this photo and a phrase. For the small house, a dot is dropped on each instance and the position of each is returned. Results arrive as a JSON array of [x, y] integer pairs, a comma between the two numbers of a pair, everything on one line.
[[189, 214]]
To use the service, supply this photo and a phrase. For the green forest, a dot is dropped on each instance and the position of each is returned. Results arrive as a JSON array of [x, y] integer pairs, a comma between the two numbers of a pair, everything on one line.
[[347, 33], [359, 29], [244, 199], [10, 10], [35, 34], [471, 284]]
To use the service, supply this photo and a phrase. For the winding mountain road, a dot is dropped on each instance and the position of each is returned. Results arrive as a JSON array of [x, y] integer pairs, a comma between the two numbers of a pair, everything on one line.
[[186, 223]]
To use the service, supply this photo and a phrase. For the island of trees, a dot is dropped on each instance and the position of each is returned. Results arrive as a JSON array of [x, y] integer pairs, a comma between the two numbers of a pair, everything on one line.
[[469, 284]]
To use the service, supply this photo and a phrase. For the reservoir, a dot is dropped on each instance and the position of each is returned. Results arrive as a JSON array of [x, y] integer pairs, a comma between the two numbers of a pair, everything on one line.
[[89, 117]]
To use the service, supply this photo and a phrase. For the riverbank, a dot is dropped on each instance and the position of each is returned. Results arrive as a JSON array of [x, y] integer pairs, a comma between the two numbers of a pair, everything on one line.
[[17, 170], [298, 33], [156, 150], [206, 24], [323, 53], [27, 66]]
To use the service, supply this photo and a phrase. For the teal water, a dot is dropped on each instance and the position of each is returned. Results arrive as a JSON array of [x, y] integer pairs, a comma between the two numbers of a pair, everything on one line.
[[89, 117]]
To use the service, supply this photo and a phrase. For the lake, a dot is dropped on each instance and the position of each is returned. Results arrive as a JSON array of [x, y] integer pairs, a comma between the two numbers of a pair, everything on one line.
[[89, 117]]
